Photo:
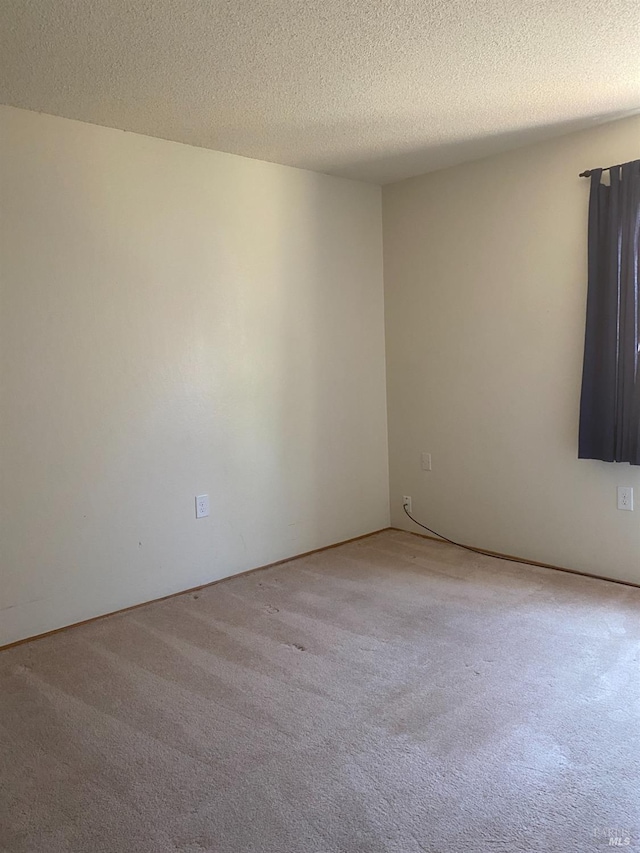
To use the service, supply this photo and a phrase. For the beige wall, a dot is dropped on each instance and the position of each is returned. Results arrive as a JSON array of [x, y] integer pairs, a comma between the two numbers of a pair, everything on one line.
[[485, 282], [177, 321]]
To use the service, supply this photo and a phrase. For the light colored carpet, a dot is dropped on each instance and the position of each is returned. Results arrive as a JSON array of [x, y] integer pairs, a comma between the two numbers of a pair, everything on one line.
[[392, 694]]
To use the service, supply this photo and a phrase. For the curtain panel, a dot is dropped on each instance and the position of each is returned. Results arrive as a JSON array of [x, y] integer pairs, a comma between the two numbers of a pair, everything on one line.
[[610, 400]]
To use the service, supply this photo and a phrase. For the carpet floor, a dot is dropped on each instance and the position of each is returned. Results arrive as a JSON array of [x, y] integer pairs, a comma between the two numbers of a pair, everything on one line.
[[391, 695]]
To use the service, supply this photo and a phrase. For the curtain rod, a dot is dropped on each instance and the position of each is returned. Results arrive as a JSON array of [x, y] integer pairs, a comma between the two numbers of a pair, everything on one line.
[[589, 172]]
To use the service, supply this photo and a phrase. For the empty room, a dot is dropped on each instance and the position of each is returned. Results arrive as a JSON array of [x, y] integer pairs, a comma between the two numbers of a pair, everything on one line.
[[319, 426]]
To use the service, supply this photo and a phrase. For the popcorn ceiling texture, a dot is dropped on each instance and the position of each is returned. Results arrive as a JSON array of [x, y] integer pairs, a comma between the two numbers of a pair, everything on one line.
[[377, 90]]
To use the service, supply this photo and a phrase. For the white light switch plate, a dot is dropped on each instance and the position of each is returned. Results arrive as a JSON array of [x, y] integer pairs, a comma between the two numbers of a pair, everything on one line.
[[202, 506]]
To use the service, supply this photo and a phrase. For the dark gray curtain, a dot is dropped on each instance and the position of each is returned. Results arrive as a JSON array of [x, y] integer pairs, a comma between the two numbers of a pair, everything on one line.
[[610, 402]]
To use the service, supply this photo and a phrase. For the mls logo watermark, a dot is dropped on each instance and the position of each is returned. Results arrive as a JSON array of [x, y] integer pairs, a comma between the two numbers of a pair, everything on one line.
[[613, 836]]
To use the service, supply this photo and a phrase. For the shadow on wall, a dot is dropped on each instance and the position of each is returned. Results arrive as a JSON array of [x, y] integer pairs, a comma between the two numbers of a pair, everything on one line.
[[307, 398], [321, 380], [275, 378]]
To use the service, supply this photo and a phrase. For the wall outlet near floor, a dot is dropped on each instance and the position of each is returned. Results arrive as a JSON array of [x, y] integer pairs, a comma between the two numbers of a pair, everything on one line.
[[406, 501], [625, 497], [202, 506], [425, 461]]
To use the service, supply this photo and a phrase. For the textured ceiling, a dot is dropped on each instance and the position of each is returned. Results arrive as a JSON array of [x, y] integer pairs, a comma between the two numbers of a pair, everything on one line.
[[362, 88]]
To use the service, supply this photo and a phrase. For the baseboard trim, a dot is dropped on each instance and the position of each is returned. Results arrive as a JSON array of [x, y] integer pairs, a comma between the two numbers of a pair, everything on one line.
[[523, 560], [187, 591], [192, 589]]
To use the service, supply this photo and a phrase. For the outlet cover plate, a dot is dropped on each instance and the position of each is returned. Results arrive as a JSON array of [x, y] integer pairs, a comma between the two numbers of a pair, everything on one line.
[[202, 506], [625, 498]]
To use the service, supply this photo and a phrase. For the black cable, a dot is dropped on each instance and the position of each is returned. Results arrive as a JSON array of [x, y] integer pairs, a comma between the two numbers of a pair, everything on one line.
[[466, 547]]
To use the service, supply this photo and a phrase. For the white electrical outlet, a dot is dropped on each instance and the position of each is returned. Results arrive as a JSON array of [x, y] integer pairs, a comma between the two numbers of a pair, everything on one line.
[[625, 497], [202, 506], [406, 502], [425, 461]]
